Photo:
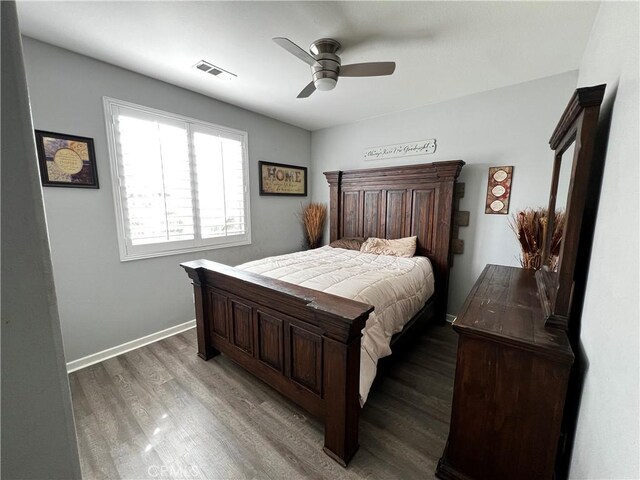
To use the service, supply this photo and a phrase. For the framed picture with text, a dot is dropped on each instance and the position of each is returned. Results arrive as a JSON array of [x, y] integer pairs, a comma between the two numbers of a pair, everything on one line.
[[280, 179], [66, 160]]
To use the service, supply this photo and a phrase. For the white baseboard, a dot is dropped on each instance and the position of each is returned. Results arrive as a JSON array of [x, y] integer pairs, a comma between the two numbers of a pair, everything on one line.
[[126, 347], [141, 342]]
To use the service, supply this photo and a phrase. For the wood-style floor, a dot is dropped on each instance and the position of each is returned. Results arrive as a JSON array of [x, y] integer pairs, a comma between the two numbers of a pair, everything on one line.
[[162, 412]]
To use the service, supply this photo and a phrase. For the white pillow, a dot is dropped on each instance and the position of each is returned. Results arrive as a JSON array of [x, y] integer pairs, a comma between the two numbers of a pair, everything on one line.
[[401, 247]]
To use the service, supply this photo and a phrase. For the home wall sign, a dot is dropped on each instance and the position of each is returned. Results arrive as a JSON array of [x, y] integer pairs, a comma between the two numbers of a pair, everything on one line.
[[422, 147], [498, 190], [281, 179]]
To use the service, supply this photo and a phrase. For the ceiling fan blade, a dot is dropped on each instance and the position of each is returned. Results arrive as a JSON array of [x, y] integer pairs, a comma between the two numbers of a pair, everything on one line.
[[372, 69], [306, 91], [294, 49]]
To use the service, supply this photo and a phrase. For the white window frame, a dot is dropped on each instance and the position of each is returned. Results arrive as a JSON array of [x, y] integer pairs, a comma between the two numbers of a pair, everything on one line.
[[135, 252]]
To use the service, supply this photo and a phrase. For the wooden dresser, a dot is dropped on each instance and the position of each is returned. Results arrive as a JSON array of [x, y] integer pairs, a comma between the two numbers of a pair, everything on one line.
[[510, 384]]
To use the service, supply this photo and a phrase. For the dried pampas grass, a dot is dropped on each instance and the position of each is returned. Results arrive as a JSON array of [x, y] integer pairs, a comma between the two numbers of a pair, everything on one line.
[[529, 226], [313, 216]]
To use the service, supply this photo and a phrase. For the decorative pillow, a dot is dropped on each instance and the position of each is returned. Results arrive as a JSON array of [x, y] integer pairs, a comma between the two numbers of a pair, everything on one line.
[[348, 243], [402, 247]]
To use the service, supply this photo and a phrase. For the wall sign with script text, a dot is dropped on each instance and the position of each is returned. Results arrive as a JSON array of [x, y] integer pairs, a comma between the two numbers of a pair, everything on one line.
[[498, 190], [280, 179], [423, 147]]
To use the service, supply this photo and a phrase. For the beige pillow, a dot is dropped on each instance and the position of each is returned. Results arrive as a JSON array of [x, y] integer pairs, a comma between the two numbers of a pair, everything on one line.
[[402, 247], [348, 243]]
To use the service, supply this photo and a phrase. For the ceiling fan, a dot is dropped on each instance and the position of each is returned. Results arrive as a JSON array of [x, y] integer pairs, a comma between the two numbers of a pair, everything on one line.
[[326, 67]]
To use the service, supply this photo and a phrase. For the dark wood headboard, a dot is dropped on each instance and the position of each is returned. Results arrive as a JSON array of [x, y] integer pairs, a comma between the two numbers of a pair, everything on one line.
[[398, 202]]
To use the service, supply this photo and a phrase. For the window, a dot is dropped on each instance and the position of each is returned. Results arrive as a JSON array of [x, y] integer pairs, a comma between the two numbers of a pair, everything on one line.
[[180, 185]]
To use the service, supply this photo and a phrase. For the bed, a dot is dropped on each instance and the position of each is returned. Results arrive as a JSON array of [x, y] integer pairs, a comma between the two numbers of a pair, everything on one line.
[[307, 343], [397, 288]]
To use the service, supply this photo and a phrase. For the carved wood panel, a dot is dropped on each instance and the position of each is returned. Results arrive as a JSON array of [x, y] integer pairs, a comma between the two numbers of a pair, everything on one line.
[[270, 340], [371, 211], [423, 208], [351, 225], [218, 305], [241, 326], [395, 214], [306, 358]]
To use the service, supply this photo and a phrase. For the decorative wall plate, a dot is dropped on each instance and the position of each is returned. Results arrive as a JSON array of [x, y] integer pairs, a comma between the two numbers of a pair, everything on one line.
[[66, 160], [499, 190]]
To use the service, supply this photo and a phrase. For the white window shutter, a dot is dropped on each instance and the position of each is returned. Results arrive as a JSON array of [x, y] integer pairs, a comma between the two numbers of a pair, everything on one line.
[[181, 184]]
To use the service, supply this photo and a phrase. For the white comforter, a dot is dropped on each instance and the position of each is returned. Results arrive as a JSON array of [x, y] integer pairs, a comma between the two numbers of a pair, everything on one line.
[[396, 287]]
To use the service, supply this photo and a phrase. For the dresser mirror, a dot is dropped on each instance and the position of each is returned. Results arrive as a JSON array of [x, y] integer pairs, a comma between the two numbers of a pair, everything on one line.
[[572, 142], [564, 178], [554, 226]]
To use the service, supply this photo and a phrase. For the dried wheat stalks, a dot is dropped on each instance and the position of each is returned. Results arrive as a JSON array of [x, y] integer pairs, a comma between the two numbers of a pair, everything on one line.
[[312, 216], [529, 226]]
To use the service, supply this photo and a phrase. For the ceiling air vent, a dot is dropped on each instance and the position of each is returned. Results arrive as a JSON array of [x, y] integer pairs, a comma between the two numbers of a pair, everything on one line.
[[213, 70]]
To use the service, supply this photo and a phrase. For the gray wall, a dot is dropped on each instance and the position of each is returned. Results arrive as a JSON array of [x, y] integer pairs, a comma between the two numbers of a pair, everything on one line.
[[103, 302], [509, 126], [38, 434], [606, 443]]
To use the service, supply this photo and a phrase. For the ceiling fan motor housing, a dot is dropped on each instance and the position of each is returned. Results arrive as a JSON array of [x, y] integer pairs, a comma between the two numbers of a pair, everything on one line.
[[325, 74]]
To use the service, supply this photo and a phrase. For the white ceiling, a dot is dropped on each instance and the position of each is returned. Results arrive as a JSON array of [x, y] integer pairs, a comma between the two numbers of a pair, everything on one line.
[[443, 50]]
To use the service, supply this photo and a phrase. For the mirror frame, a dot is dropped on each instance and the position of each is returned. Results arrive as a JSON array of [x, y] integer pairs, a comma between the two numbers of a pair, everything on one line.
[[578, 124]]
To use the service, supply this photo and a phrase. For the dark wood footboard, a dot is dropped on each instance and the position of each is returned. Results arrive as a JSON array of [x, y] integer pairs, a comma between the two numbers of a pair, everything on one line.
[[302, 342]]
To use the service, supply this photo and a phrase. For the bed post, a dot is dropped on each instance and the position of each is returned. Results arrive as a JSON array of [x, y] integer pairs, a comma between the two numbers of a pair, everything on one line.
[[205, 349], [334, 179], [342, 397], [447, 173]]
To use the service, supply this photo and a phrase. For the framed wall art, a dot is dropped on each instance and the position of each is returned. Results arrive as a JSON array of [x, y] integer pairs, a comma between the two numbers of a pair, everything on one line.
[[66, 160], [498, 190], [280, 179]]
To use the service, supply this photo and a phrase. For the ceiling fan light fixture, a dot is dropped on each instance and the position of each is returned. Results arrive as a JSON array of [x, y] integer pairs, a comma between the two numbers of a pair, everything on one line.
[[326, 66], [325, 83]]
